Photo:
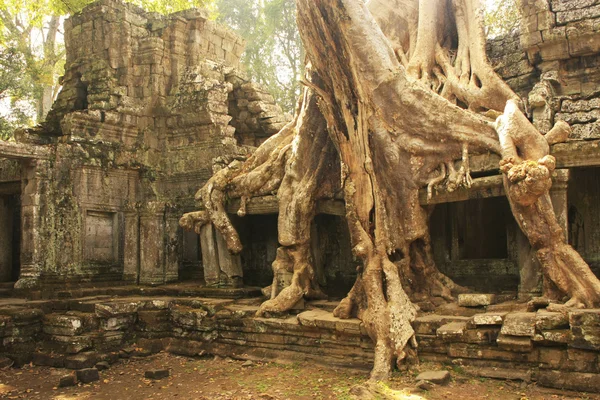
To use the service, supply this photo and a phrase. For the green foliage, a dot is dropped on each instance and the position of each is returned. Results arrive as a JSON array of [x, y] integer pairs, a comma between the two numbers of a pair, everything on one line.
[[501, 17], [14, 87], [274, 56]]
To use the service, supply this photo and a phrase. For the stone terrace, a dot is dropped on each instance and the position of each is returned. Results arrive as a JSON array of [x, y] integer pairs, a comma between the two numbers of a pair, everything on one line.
[[555, 348]]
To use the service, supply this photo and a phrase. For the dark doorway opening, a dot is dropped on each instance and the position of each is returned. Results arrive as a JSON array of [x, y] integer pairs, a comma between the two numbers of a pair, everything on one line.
[[10, 237]]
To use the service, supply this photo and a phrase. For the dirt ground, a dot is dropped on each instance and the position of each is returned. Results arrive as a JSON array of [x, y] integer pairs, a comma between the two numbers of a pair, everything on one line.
[[226, 379]]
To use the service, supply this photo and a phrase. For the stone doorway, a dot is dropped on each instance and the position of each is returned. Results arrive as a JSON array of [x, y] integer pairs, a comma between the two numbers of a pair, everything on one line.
[[10, 237]]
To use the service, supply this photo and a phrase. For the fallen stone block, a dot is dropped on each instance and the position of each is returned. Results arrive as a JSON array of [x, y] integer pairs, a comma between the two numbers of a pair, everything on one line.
[[102, 366], [88, 375], [476, 299], [437, 377], [519, 324], [67, 380], [157, 374], [424, 385]]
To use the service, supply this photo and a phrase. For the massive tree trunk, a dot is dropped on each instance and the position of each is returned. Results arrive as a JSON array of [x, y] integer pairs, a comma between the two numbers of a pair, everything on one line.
[[387, 110]]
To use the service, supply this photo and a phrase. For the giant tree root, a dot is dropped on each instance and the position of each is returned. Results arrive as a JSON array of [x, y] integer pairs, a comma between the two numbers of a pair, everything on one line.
[[382, 117], [528, 169]]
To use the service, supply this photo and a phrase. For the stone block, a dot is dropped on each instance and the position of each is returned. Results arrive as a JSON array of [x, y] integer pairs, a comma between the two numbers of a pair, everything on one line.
[[157, 374], [578, 381], [429, 324], [48, 360], [437, 377], [102, 365], [81, 361], [485, 319], [476, 300], [585, 327], [478, 351], [519, 324], [67, 380], [122, 322], [514, 343], [546, 320], [325, 320], [481, 335], [64, 325], [452, 331], [113, 309], [552, 357], [502, 373], [558, 336], [88, 375], [190, 318]]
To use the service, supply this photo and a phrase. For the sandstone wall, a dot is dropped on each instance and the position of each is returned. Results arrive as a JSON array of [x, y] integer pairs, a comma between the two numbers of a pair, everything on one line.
[[149, 103]]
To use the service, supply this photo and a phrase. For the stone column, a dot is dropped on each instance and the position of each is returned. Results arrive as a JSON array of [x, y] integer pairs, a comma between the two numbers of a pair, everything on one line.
[[558, 195], [31, 223], [230, 264], [152, 244], [172, 250], [210, 258], [131, 252]]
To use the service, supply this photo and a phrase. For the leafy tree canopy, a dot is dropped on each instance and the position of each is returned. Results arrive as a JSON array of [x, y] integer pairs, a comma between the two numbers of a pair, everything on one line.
[[274, 55]]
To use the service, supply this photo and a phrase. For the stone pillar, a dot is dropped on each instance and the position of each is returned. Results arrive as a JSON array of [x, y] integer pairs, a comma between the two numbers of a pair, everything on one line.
[[210, 258], [31, 224], [172, 250], [230, 264], [152, 244], [558, 195], [530, 271], [131, 252]]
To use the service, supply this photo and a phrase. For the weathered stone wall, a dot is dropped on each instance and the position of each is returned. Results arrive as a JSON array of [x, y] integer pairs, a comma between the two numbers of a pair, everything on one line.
[[144, 114], [510, 62], [10, 170], [551, 348], [562, 41]]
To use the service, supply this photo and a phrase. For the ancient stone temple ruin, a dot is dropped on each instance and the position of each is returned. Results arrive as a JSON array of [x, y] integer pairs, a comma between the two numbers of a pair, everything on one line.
[[152, 106], [149, 107]]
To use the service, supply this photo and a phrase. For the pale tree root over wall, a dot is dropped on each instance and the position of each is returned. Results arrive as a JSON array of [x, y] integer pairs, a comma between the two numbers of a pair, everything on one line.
[[370, 126], [527, 168]]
